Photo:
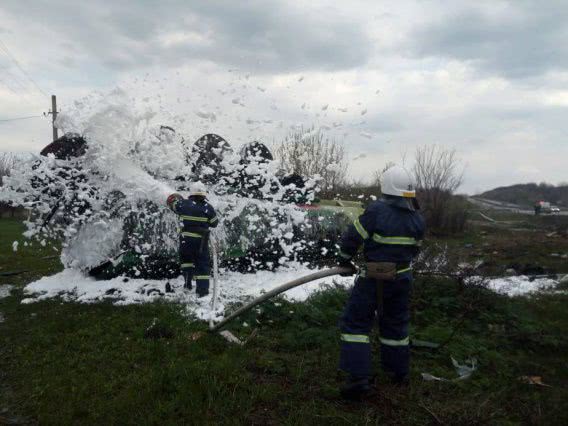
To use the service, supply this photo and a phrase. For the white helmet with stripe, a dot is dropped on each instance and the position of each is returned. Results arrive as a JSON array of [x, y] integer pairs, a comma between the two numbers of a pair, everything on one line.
[[397, 181], [198, 189]]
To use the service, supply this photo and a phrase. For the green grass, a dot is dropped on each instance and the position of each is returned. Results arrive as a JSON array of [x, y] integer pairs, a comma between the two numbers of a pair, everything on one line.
[[65, 363], [522, 220], [526, 241], [36, 260]]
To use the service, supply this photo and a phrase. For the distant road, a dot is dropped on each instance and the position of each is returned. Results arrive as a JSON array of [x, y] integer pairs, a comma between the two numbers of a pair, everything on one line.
[[498, 205]]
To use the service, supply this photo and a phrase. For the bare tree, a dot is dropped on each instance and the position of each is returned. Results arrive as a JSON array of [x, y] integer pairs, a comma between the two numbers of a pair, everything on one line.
[[7, 163], [436, 167], [309, 153], [438, 173]]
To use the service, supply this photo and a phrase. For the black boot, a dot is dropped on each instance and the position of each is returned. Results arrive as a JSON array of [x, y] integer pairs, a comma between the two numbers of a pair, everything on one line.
[[400, 379], [187, 277], [201, 288], [201, 292], [356, 388]]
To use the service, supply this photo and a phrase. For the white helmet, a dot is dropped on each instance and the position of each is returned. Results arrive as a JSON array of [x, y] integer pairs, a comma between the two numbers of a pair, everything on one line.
[[198, 189], [398, 182]]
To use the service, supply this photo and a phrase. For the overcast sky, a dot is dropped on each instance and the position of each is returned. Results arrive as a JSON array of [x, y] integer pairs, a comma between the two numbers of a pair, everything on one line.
[[488, 78]]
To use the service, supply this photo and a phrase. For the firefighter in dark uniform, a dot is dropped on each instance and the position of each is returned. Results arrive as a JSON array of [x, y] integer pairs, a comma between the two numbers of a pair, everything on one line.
[[390, 231], [197, 216]]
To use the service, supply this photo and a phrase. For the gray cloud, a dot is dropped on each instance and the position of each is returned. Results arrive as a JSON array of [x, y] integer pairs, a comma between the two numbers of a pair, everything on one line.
[[67, 62], [252, 35], [503, 129], [525, 39], [386, 122]]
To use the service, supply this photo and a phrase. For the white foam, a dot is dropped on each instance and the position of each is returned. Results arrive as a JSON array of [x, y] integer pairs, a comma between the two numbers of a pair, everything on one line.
[[520, 285], [93, 244], [5, 290], [72, 285]]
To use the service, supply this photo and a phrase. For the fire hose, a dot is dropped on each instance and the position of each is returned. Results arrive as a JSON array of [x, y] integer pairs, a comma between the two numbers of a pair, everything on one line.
[[304, 280], [276, 291]]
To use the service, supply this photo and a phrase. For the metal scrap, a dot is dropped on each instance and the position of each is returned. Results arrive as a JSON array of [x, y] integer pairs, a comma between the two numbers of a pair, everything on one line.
[[464, 371]]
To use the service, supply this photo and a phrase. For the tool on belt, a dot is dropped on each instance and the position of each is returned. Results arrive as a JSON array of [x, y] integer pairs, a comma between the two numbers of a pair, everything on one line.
[[383, 272]]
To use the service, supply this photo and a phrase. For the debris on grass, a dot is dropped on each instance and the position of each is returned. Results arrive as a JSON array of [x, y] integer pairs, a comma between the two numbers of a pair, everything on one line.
[[464, 371], [533, 380], [231, 338], [5, 290], [196, 336]]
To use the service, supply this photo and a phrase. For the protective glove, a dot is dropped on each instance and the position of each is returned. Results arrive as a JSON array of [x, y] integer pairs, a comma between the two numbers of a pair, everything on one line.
[[173, 198], [345, 263]]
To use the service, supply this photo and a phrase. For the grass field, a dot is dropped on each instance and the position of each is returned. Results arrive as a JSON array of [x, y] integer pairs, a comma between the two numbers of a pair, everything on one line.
[[515, 240], [65, 363]]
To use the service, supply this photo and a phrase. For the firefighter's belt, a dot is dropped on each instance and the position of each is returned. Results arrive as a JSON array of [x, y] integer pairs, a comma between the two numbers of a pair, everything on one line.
[[195, 232], [384, 271]]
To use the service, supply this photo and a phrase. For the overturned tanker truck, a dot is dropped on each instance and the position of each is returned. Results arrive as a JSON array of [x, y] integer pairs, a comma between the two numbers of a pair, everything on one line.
[[268, 217]]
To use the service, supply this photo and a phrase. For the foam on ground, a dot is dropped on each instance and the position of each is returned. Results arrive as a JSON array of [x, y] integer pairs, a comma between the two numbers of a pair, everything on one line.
[[5, 290], [73, 286], [520, 285]]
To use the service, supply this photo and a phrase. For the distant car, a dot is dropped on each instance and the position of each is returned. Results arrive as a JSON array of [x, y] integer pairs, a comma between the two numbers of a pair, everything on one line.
[[554, 209]]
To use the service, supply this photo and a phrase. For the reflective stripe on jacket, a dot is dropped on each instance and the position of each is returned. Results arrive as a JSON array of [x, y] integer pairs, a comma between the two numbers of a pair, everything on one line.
[[197, 216], [388, 231]]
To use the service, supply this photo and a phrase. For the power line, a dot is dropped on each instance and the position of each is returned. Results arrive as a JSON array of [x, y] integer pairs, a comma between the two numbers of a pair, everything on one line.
[[7, 52], [20, 118], [15, 88], [14, 79], [19, 83], [7, 86], [17, 63]]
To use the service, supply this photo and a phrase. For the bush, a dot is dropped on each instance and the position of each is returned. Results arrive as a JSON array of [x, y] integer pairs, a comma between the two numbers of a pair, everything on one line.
[[444, 213], [7, 164], [438, 174]]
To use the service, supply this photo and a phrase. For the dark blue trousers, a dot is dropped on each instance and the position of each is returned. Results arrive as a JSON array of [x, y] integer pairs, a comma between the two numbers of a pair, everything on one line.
[[194, 258], [358, 319]]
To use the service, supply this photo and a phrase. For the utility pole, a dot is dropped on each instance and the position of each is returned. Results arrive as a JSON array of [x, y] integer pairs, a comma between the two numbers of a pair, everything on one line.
[[53, 113]]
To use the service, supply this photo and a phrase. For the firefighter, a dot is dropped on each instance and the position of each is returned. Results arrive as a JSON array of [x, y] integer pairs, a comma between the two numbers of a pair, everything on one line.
[[197, 216], [390, 231]]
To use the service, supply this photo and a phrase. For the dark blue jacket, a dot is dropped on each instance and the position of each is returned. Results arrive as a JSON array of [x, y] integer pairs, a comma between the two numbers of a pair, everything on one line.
[[389, 230], [197, 215]]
